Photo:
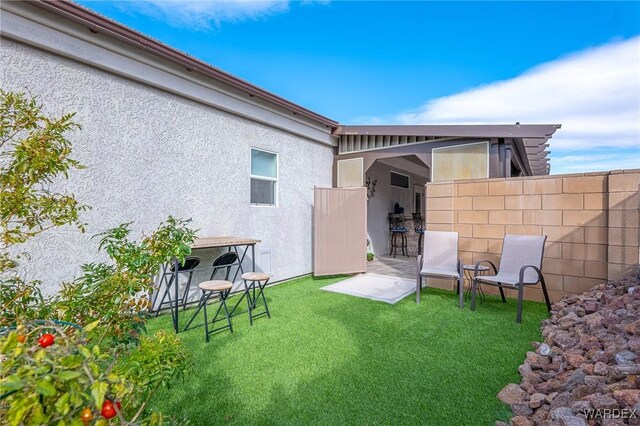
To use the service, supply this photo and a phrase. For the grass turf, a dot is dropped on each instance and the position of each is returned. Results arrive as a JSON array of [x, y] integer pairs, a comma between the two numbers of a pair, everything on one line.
[[326, 358]]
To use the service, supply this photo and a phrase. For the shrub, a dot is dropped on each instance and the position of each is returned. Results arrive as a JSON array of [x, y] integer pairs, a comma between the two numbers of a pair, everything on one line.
[[92, 362]]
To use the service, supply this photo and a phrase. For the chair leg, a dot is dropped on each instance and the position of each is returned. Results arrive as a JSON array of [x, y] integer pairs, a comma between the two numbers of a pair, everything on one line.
[[474, 288], [504, 300], [546, 295], [185, 296], [244, 294], [391, 244], [167, 293], [404, 244], [520, 294], [203, 301], [420, 243], [264, 299], [460, 294], [418, 287], [223, 301], [206, 323], [394, 239], [249, 304]]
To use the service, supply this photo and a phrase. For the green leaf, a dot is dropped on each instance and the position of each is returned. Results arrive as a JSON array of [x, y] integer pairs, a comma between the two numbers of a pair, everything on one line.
[[91, 326], [11, 383], [71, 361], [45, 388], [84, 351], [62, 404], [10, 343], [98, 391], [69, 375]]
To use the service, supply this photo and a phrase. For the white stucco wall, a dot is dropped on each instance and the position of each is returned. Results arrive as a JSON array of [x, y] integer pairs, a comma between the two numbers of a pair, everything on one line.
[[150, 154]]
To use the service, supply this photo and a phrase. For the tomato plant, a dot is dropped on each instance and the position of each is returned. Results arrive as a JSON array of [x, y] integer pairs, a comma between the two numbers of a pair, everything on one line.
[[46, 340], [51, 373]]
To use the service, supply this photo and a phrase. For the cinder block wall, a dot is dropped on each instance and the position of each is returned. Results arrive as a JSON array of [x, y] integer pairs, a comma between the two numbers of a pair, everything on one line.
[[591, 222]]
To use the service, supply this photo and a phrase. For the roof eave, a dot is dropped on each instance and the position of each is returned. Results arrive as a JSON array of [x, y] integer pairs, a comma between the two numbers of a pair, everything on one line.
[[98, 23]]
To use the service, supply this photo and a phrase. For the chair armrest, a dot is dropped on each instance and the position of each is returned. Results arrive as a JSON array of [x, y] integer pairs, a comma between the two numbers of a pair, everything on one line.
[[475, 272], [419, 264], [525, 267]]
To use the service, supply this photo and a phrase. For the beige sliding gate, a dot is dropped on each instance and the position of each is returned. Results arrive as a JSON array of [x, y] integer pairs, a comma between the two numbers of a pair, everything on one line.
[[339, 231]]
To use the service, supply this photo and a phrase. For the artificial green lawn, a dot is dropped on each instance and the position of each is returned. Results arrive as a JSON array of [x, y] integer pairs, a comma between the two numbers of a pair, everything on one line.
[[326, 358]]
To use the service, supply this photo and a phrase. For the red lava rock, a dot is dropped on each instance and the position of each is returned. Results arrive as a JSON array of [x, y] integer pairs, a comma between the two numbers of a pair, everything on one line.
[[554, 366], [600, 401], [574, 359], [627, 397], [512, 394], [590, 306], [600, 368], [520, 421], [592, 359], [587, 368], [633, 328], [537, 400]]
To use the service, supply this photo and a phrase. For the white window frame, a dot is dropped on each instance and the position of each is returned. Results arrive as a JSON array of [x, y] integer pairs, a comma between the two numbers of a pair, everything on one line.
[[270, 179], [401, 174]]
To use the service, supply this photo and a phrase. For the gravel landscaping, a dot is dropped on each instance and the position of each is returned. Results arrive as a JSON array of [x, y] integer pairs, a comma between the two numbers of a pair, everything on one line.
[[586, 370]]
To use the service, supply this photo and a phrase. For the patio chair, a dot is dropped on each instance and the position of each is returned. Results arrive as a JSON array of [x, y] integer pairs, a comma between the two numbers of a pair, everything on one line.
[[520, 266], [190, 264], [440, 260]]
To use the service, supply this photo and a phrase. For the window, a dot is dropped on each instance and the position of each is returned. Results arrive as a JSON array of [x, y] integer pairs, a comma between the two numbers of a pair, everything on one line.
[[264, 177], [350, 172], [399, 180], [470, 161]]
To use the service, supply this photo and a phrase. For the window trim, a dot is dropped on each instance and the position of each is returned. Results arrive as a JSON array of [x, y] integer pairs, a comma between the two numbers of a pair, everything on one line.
[[265, 178], [401, 174]]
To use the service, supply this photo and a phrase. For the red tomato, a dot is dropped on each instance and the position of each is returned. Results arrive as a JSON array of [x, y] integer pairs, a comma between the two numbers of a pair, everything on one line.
[[21, 338], [46, 339], [86, 415], [109, 409]]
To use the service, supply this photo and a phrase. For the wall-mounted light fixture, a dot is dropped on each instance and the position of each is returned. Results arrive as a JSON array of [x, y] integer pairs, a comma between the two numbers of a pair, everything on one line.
[[371, 186]]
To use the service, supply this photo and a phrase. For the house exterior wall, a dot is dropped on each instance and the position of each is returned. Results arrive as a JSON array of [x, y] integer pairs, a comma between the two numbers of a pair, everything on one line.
[[590, 220], [382, 204], [150, 154]]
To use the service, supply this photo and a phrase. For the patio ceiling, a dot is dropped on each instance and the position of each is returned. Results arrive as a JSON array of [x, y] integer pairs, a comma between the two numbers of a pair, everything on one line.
[[530, 139]]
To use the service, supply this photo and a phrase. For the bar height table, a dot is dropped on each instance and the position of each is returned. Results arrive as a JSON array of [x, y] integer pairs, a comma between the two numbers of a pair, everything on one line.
[[232, 243]]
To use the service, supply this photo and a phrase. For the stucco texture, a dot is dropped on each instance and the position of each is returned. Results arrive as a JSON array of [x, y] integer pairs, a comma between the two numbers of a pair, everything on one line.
[[150, 154]]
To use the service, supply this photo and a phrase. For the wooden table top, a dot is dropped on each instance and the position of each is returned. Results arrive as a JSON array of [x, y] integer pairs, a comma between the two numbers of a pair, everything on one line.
[[212, 242]]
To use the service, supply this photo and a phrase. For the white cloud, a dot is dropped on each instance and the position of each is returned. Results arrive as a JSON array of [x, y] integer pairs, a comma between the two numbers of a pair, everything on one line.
[[203, 14], [594, 94]]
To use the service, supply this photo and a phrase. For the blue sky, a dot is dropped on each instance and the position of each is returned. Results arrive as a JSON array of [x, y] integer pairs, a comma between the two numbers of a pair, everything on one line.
[[572, 63]]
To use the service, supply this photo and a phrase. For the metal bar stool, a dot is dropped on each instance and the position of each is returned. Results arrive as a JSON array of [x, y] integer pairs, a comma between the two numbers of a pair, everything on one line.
[[168, 274], [418, 226], [251, 280], [210, 288], [225, 262], [396, 227]]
